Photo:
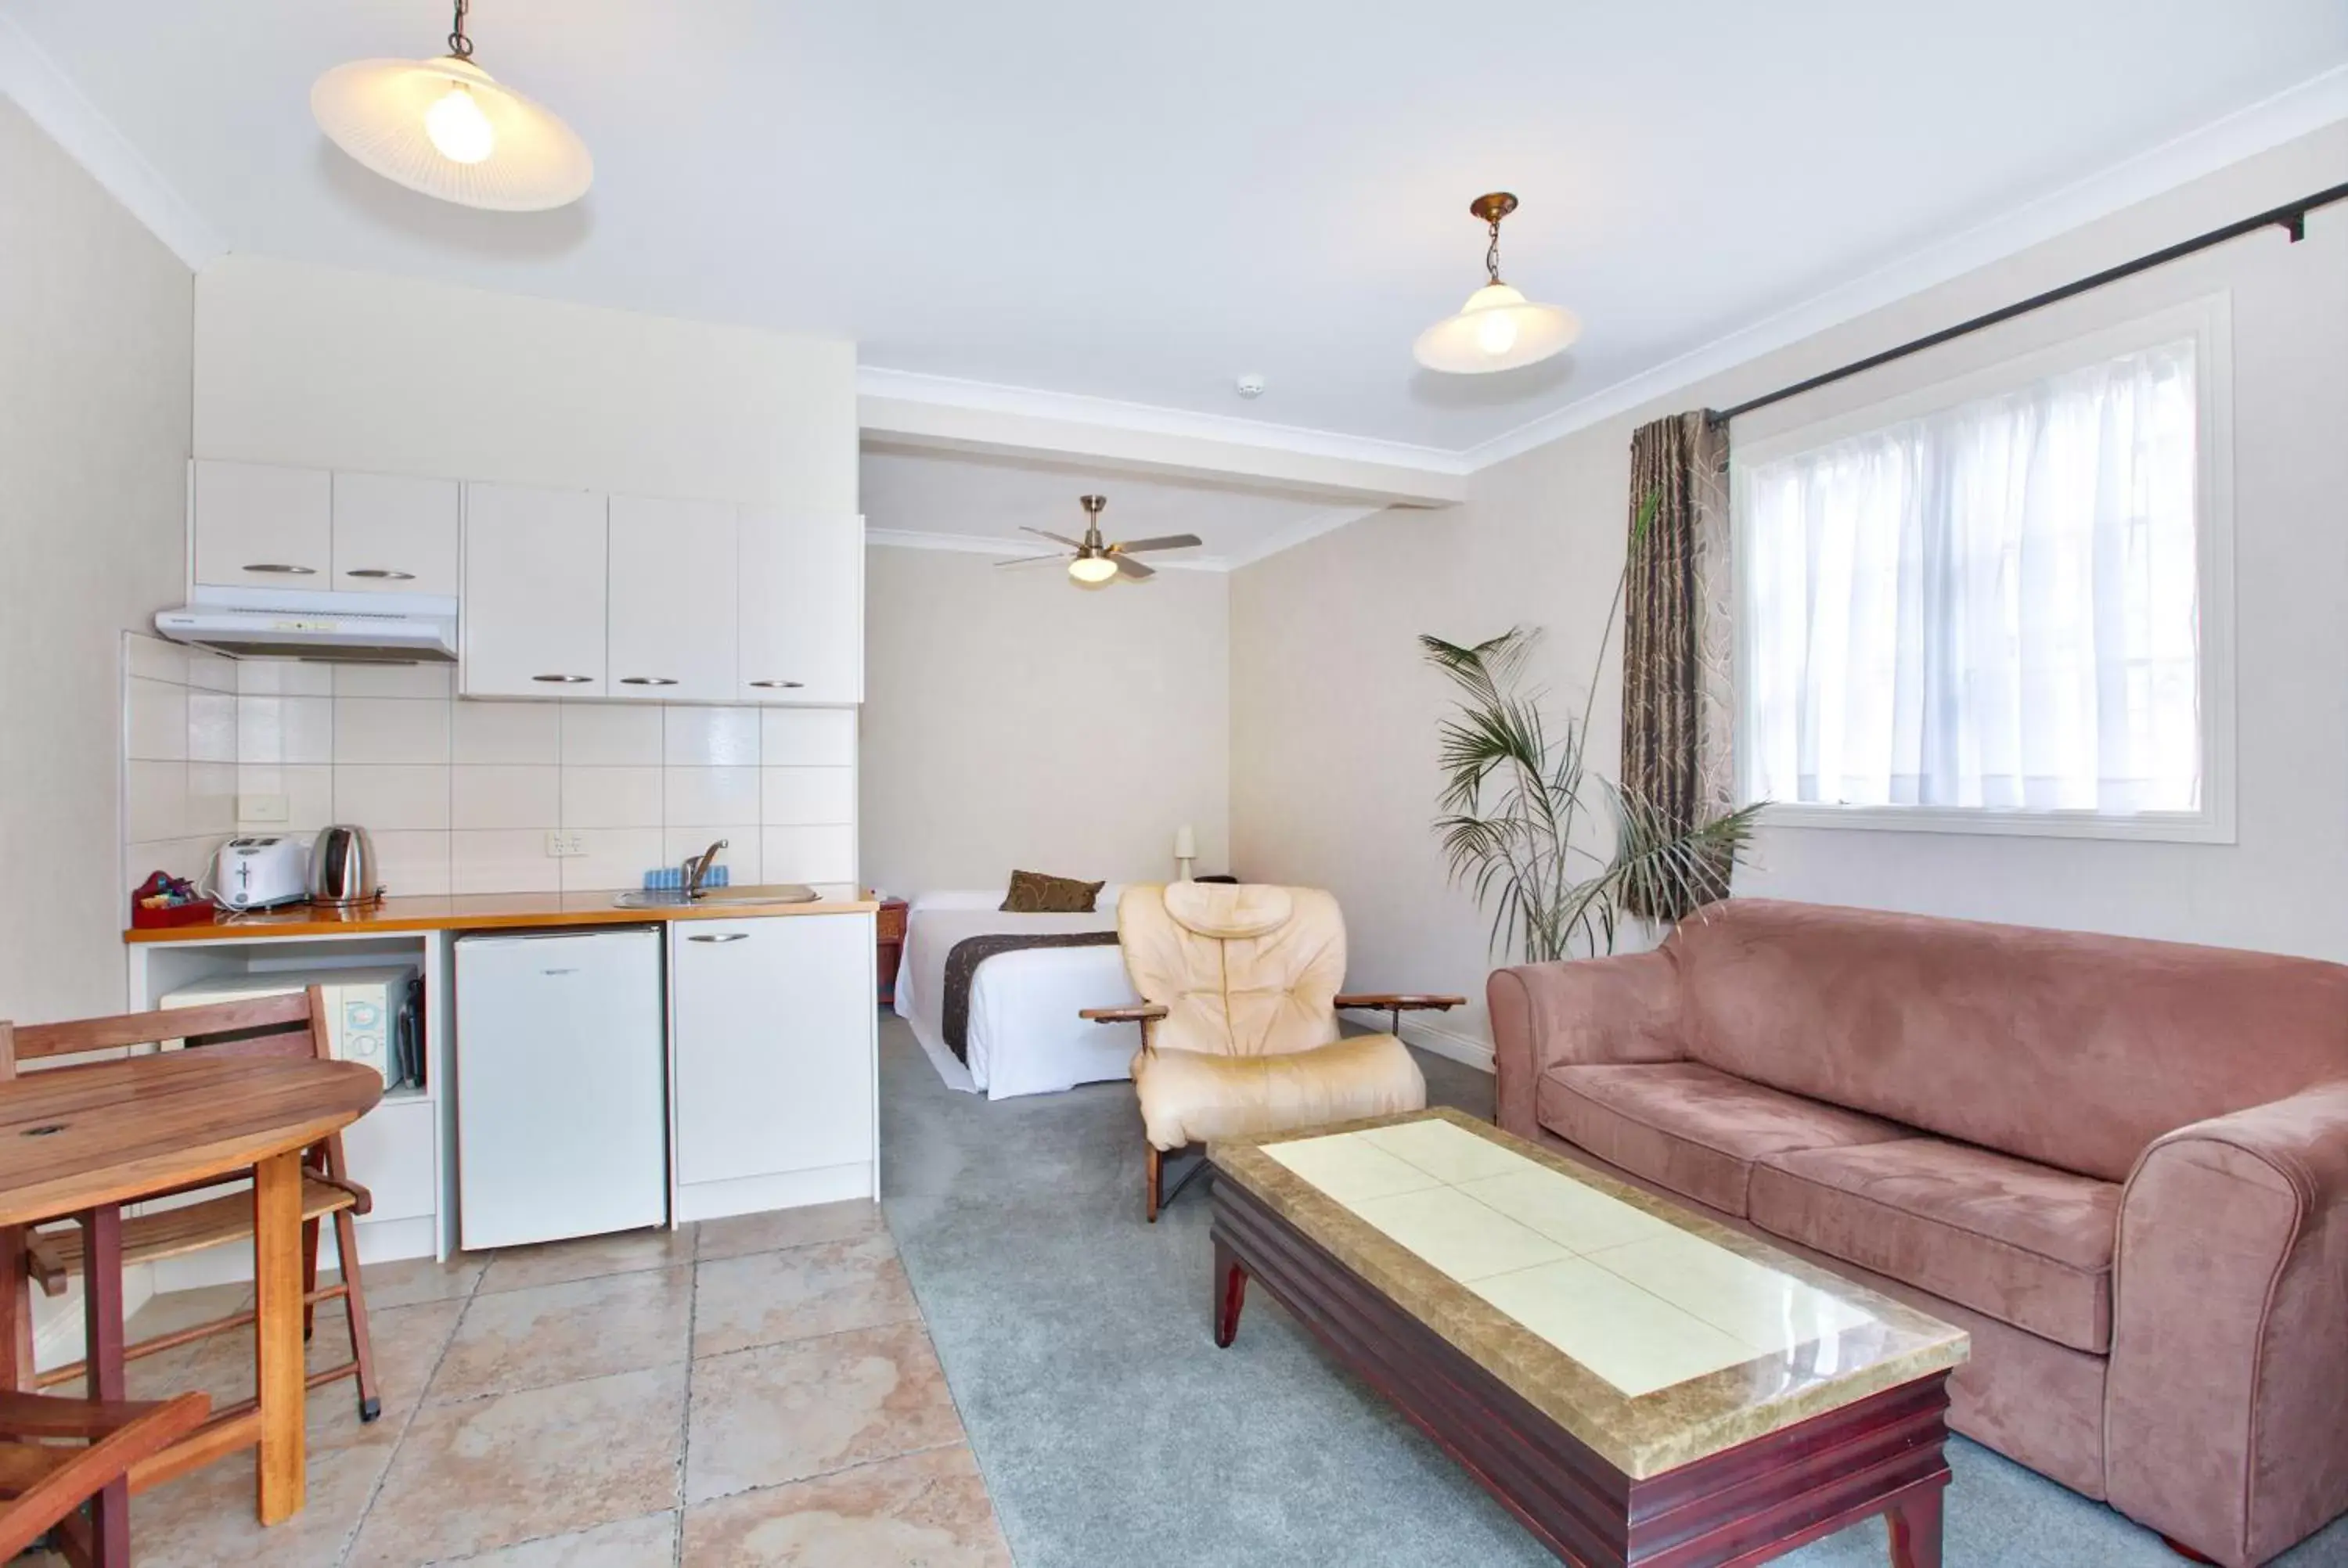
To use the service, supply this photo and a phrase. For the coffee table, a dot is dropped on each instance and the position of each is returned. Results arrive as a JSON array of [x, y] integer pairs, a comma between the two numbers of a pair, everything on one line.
[[1635, 1383]]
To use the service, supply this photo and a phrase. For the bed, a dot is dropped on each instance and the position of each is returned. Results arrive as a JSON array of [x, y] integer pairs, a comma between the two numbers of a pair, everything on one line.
[[1021, 1033]]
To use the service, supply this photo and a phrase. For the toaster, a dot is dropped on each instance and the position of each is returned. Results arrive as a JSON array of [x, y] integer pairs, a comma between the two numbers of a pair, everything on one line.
[[261, 873]]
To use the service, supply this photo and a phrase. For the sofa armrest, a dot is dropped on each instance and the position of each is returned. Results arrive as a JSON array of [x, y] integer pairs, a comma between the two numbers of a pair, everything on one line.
[[1623, 1009], [2223, 1424]]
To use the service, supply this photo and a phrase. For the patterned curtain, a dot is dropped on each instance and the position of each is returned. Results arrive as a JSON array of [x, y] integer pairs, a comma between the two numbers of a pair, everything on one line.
[[1677, 643]]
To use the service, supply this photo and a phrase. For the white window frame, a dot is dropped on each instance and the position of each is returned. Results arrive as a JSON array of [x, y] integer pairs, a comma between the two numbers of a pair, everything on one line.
[[2207, 322]]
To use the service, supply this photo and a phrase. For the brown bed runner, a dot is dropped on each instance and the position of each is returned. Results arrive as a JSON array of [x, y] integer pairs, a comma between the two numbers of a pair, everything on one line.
[[962, 968]]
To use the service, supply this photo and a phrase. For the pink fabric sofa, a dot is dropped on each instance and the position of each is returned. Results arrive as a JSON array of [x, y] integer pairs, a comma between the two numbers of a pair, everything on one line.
[[2122, 1165]]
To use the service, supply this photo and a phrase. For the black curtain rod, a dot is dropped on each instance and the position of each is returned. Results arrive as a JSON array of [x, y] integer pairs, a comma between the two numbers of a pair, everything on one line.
[[2292, 217]]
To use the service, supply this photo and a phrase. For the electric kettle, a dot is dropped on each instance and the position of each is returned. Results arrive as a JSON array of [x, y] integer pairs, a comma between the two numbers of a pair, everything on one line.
[[343, 868]]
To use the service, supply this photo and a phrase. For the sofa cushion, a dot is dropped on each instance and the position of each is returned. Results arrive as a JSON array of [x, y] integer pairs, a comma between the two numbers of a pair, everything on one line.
[[2024, 1243], [2071, 1050], [1692, 1128]]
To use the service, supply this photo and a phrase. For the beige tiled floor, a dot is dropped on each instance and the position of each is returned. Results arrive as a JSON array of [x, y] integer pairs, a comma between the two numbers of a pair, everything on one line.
[[1636, 1301], [748, 1392]]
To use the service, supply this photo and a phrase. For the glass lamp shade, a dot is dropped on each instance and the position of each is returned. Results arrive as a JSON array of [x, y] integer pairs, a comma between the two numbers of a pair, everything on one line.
[[1092, 569], [448, 129], [1497, 328]]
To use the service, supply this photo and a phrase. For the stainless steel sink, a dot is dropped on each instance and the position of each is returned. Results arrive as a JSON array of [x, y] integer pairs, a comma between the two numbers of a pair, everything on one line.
[[753, 893], [760, 893]]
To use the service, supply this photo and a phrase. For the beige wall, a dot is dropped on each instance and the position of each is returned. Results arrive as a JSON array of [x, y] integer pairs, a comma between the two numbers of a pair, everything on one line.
[[1333, 719], [320, 367], [94, 425], [1014, 719]]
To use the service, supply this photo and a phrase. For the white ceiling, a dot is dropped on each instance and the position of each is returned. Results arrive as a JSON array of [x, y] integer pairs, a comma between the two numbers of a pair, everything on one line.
[[1141, 202], [950, 498]]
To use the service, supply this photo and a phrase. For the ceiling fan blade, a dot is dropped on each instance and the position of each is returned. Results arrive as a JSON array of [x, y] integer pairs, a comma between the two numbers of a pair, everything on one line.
[[1029, 560], [1163, 542], [1129, 567], [1045, 533]]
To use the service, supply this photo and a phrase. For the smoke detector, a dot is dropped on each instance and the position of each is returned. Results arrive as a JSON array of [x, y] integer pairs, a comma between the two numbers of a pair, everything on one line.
[[1250, 386]]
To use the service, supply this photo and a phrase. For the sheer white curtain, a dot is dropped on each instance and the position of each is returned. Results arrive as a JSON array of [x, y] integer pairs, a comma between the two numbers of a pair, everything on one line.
[[1991, 606]]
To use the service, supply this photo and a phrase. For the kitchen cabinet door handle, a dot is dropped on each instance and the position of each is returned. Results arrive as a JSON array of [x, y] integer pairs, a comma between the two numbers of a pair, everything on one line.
[[646, 680], [282, 568], [564, 679], [379, 573], [778, 685], [718, 936]]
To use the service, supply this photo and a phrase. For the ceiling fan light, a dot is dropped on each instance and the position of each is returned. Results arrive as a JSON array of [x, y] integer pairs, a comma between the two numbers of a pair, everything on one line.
[[448, 129], [1092, 569]]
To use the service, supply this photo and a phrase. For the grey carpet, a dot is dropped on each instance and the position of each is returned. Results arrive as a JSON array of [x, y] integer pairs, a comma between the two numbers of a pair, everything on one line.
[[1111, 1432]]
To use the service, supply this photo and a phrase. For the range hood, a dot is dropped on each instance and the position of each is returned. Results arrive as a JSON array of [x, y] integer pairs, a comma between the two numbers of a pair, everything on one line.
[[329, 627]]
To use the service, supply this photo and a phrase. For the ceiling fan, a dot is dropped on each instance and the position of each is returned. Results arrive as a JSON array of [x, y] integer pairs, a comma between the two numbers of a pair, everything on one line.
[[1096, 562]]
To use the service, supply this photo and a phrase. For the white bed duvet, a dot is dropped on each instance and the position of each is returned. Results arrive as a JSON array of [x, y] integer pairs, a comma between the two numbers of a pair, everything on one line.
[[1023, 1035]]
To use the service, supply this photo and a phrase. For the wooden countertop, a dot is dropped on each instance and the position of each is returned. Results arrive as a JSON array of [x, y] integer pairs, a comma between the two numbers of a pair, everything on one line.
[[479, 911]]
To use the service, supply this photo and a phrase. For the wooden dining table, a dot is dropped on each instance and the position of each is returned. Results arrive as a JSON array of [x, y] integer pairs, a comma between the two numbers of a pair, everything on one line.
[[81, 1141]]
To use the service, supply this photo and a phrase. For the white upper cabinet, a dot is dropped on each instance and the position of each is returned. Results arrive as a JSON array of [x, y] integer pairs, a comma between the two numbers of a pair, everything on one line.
[[673, 601], [801, 598], [532, 612], [393, 534], [263, 526]]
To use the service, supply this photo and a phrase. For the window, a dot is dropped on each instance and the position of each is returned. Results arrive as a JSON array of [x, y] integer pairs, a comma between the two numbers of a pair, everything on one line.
[[1992, 610]]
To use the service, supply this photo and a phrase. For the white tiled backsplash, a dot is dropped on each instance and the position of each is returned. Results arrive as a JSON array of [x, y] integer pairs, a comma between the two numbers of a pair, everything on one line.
[[459, 796]]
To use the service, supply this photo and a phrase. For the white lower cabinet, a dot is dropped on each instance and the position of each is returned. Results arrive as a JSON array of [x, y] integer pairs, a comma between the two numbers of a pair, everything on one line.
[[772, 1046]]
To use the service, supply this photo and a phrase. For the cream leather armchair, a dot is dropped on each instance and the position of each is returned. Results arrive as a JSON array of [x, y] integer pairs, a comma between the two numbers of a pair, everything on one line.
[[1239, 1018]]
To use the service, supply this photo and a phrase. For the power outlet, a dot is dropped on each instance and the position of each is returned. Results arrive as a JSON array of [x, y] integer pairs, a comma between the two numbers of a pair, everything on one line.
[[262, 808], [560, 844]]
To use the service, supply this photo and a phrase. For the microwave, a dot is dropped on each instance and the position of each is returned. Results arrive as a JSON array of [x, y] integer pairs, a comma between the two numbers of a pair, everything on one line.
[[373, 1016]]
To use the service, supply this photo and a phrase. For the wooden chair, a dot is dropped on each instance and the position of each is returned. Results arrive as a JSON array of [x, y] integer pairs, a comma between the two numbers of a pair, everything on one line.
[[57, 1453], [292, 1025]]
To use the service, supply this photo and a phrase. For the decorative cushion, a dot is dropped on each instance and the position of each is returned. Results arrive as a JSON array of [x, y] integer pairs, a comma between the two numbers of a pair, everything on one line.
[[1191, 1097], [1690, 1128], [1032, 893], [2023, 1242]]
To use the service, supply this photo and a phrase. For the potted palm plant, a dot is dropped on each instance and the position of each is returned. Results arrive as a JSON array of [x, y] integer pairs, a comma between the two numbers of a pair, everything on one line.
[[1562, 856]]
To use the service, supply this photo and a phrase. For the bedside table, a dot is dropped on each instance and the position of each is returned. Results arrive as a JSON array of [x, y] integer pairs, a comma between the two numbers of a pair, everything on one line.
[[888, 934]]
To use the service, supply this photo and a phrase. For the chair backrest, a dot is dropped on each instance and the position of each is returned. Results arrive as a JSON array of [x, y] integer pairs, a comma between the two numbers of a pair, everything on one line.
[[292, 1025], [1244, 969]]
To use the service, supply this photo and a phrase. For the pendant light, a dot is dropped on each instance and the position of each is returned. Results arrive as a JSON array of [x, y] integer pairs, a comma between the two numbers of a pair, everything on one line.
[[446, 128], [1497, 328]]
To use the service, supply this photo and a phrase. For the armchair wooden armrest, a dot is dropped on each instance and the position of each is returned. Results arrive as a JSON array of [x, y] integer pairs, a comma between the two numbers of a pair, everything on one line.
[[1394, 1004], [1138, 1012], [1142, 1013]]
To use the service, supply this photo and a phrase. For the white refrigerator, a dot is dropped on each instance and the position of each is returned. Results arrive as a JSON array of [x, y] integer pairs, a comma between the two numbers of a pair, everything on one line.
[[561, 1086]]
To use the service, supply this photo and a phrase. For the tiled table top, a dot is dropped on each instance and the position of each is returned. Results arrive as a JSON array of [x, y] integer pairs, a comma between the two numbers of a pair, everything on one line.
[[1651, 1334]]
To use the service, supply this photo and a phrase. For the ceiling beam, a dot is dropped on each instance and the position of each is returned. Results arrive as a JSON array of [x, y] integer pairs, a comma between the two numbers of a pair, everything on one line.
[[899, 411]]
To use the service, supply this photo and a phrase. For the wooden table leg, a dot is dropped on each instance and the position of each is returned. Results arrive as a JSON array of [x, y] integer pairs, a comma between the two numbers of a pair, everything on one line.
[[1915, 1521], [1230, 1293], [101, 1316], [15, 1314], [277, 1282]]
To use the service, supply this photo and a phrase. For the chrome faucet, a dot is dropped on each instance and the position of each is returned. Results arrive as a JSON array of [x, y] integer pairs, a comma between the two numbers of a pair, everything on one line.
[[696, 868]]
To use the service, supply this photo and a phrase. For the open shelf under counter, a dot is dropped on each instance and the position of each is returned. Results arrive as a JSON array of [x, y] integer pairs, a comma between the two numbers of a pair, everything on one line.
[[397, 1150]]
